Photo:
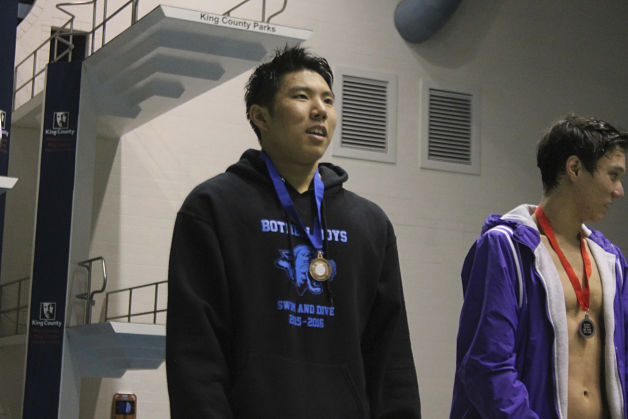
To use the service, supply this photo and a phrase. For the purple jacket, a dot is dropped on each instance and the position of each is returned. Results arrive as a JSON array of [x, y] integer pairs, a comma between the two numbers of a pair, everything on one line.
[[512, 355]]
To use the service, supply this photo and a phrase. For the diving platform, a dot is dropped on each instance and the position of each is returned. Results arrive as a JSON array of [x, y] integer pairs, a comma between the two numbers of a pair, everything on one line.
[[110, 349], [6, 183], [168, 57]]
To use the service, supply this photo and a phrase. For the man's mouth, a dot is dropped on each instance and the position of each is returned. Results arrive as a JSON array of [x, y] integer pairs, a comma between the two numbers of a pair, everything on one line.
[[318, 131]]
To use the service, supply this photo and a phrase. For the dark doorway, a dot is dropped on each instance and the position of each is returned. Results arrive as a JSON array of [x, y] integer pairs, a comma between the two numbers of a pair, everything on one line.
[[61, 44]]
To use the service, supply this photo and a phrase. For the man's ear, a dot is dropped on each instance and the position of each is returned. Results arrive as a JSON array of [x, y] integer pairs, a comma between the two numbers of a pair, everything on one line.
[[259, 116], [573, 167]]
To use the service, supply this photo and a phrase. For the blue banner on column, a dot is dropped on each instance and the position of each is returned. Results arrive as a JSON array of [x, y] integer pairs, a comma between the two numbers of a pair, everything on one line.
[[8, 22], [52, 241]]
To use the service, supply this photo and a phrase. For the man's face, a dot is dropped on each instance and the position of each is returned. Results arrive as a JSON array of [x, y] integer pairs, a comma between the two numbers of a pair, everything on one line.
[[62, 119], [603, 186], [302, 119]]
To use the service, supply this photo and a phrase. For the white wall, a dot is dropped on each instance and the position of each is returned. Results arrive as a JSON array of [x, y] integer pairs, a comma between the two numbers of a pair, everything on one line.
[[532, 62], [12, 358]]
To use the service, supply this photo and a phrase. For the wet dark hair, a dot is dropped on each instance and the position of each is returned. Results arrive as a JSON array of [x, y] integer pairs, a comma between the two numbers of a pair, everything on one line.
[[587, 138], [265, 82]]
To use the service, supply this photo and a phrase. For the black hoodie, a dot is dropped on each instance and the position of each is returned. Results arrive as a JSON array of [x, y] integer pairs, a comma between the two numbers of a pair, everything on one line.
[[251, 335]]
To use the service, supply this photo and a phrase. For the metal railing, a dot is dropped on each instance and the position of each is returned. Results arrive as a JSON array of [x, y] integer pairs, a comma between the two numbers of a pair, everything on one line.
[[264, 19], [89, 295], [130, 314], [67, 29], [21, 284]]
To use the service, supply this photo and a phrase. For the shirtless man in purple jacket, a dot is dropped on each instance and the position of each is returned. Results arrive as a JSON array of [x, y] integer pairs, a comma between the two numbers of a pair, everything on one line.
[[542, 327]]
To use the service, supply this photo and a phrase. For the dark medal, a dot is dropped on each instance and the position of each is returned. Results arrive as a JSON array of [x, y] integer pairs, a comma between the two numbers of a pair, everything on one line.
[[320, 268], [586, 328]]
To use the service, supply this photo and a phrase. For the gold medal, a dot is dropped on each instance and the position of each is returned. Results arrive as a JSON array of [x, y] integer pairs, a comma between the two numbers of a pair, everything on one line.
[[320, 268]]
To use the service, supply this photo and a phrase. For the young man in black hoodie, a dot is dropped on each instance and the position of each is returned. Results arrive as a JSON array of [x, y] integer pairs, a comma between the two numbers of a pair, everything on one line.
[[285, 297]]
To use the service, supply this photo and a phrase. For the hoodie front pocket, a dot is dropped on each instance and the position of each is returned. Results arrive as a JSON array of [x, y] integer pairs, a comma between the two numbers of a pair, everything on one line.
[[275, 387]]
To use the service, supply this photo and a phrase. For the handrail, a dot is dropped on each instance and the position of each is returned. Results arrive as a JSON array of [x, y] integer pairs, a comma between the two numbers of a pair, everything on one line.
[[73, 3], [285, 2], [130, 312], [18, 307], [59, 6], [36, 72], [108, 18], [89, 295], [6, 284], [33, 56], [280, 11]]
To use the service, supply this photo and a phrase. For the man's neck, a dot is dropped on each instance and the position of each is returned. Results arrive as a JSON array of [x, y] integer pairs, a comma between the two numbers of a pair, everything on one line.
[[562, 217], [299, 176]]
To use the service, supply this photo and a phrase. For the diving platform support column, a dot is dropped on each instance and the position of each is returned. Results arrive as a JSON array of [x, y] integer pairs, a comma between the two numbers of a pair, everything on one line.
[[62, 238], [8, 24]]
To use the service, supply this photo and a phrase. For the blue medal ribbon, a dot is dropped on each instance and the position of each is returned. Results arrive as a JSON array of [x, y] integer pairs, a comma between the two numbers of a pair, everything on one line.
[[316, 233]]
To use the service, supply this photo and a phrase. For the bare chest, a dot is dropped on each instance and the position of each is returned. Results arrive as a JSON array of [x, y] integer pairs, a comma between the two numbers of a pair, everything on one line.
[[586, 390], [594, 283]]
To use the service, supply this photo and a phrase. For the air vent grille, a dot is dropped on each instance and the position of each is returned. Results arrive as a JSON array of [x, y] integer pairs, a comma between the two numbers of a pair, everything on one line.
[[366, 102], [364, 113], [449, 131]]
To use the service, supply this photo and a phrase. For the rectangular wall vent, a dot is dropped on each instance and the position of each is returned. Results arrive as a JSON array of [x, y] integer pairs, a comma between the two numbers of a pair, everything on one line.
[[450, 132], [367, 115], [364, 113], [449, 126]]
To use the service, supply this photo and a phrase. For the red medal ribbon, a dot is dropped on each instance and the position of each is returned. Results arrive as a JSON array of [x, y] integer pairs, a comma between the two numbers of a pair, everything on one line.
[[581, 294]]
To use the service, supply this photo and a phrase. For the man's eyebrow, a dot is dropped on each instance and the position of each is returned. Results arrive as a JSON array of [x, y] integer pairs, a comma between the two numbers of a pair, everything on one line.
[[326, 92], [618, 168]]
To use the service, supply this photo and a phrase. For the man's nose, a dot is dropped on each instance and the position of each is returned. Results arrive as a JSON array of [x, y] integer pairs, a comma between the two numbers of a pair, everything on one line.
[[619, 191], [319, 110]]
